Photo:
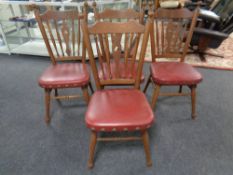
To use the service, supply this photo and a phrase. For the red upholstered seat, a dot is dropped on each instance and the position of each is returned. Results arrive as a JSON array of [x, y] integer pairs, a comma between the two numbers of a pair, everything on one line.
[[64, 75], [124, 72], [174, 73], [119, 110]]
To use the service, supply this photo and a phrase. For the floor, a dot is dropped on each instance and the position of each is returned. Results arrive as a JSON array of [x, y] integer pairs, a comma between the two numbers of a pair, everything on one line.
[[179, 145]]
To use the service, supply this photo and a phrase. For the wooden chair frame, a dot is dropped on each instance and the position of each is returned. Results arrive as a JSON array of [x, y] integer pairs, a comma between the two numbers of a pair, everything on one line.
[[158, 51], [69, 43], [112, 15], [103, 28]]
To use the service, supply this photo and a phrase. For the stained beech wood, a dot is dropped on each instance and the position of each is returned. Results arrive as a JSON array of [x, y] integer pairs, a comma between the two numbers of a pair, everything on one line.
[[119, 139], [85, 94], [147, 84], [111, 39], [170, 36], [61, 31], [66, 97], [93, 141], [193, 97], [155, 96], [47, 105], [146, 144], [130, 40], [125, 31], [55, 92]]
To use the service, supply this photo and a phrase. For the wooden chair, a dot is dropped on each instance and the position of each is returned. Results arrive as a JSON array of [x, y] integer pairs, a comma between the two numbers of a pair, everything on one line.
[[117, 110], [112, 15], [170, 37], [61, 32]]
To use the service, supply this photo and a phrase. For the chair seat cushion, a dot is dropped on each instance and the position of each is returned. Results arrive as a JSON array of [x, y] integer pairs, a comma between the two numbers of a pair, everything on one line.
[[64, 75], [119, 110], [174, 73], [123, 71]]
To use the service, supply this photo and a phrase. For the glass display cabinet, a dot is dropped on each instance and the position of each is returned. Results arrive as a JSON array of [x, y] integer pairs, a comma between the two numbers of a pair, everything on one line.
[[19, 32]]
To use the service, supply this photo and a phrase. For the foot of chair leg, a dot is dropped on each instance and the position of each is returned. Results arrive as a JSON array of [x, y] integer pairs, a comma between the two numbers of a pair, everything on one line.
[[155, 96], [193, 97], [92, 149], [194, 116], [47, 106], [146, 145]]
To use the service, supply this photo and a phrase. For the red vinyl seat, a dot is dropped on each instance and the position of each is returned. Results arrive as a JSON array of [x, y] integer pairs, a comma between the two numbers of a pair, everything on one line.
[[64, 75], [174, 73], [119, 110], [124, 72]]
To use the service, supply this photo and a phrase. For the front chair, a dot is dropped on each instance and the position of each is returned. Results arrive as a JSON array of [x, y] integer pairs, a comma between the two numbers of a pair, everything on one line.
[[117, 110], [170, 37], [61, 32]]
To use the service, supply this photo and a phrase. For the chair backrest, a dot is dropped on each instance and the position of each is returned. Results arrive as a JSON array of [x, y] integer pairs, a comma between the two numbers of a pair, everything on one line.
[[113, 15], [116, 38], [171, 32], [61, 31]]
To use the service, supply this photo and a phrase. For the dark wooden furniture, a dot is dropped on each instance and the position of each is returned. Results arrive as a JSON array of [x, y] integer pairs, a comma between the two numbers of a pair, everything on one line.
[[170, 35], [117, 110], [61, 32], [211, 31], [112, 15]]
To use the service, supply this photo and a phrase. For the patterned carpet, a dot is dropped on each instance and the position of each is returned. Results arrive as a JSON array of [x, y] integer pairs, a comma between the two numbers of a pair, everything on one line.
[[225, 49]]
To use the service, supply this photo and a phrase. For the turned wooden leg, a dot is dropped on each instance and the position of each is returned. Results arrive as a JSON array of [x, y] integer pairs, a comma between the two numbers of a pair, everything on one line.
[[47, 105], [155, 96], [145, 140], [90, 85], [85, 94], [92, 149], [147, 84], [193, 97], [180, 89], [56, 92]]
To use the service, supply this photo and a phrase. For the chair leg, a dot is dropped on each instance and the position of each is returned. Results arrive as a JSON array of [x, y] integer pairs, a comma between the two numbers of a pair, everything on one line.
[[193, 97], [47, 105], [56, 92], [90, 85], [180, 88], [92, 149], [147, 84], [155, 96], [85, 94], [146, 145]]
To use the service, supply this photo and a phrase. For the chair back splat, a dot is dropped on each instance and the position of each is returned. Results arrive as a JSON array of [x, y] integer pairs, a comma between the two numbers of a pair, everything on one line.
[[62, 34], [117, 67], [172, 32]]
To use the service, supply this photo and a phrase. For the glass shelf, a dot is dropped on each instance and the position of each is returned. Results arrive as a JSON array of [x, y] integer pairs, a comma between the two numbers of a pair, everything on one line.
[[22, 36]]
